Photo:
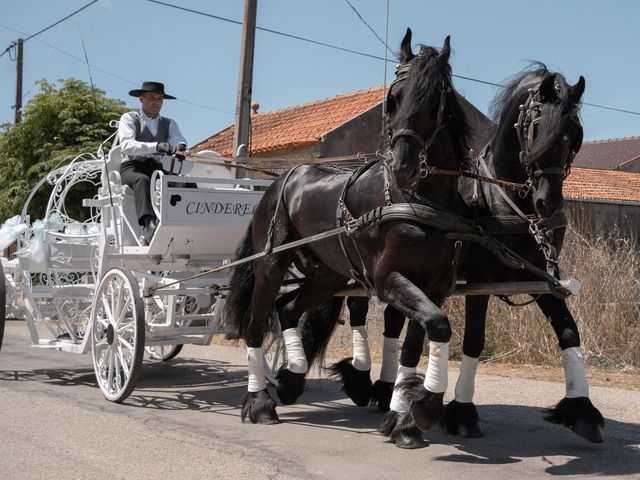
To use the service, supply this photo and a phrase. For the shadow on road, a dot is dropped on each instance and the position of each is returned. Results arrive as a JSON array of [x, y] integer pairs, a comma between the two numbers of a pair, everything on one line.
[[512, 433], [516, 432]]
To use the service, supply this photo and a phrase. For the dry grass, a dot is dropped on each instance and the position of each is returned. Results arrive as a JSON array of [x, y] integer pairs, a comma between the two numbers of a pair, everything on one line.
[[607, 312]]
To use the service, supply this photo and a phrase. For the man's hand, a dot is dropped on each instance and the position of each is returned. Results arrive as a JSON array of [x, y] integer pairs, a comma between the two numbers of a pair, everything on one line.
[[181, 149], [164, 147]]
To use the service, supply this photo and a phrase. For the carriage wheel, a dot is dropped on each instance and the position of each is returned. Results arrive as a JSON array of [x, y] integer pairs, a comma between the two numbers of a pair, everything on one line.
[[3, 303], [163, 352], [117, 334]]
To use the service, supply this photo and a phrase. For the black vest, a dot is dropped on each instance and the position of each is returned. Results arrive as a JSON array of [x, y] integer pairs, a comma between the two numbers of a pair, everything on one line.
[[143, 134]]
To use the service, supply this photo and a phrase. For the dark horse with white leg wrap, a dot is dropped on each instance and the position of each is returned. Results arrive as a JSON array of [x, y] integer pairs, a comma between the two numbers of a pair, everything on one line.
[[548, 133], [546, 137], [399, 250]]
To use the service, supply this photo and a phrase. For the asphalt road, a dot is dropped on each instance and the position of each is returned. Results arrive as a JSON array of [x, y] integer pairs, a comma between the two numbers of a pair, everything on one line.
[[183, 421]]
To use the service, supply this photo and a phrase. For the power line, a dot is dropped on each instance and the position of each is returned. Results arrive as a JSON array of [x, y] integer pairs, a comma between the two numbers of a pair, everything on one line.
[[111, 74], [50, 26], [471, 79], [275, 32], [60, 21], [369, 27]]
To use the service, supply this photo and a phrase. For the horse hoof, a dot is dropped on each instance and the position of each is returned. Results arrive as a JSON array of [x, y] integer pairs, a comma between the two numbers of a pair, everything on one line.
[[290, 385], [427, 410], [402, 431], [260, 408], [461, 419], [381, 394], [409, 442], [355, 383], [579, 415]]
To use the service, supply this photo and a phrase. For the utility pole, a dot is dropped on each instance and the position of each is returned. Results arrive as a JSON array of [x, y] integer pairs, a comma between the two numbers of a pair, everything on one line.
[[245, 83], [18, 105]]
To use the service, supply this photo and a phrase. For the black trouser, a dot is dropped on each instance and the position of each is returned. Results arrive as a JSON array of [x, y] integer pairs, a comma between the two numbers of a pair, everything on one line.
[[137, 175]]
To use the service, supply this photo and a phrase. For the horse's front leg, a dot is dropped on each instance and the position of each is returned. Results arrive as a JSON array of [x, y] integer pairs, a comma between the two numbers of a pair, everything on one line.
[[425, 400], [575, 410], [354, 373], [460, 415]]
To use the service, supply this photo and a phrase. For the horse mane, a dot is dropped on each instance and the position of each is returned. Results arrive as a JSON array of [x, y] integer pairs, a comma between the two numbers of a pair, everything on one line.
[[424, 76], [515, 93]]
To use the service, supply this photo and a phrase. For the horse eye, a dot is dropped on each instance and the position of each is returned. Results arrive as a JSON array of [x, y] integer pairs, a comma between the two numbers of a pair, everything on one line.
[[565, 138]]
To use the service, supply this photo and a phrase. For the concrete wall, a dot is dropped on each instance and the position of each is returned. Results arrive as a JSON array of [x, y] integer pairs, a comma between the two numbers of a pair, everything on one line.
[[362, 134], [600, 218]]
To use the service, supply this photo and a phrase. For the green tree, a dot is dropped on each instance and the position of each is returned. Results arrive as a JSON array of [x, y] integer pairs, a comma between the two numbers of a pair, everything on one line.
[[58, 123]]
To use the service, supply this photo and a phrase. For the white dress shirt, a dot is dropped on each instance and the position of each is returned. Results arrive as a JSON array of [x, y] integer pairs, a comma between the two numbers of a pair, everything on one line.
[[134, 148]]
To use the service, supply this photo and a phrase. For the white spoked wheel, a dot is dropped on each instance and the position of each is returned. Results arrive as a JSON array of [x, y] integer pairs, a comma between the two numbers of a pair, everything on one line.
[[163, 352], [117, 334]]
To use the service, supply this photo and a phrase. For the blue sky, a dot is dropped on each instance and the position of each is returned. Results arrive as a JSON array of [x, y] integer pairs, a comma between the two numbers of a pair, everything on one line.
[[129, 41]]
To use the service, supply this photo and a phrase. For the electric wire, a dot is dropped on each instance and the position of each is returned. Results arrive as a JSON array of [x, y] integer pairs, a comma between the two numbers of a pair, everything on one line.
[[384, 42], [296, 37], [49, 27], [462, 77]]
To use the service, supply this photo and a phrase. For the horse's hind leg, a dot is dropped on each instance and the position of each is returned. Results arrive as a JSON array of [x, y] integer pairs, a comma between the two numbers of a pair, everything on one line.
[[269, 272], [460, 415], [382, 390], [575, 410], [355, 372], [290, 308]]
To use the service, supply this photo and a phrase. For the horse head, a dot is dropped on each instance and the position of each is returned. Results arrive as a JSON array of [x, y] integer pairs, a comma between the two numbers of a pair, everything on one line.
[[415, 106], [540, 121]]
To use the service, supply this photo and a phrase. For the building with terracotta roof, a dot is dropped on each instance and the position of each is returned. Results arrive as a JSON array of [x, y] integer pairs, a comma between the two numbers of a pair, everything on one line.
[[342, 125], [612, 154], [603, 196]]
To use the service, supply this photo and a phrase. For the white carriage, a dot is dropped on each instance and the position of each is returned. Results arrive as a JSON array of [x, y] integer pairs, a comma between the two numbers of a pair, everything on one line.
[[97, 287]]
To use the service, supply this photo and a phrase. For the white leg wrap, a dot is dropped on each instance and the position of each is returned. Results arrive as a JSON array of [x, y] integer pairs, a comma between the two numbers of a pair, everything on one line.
[[465, 386], [575, 378], [398, 402], [390, 349], [296, 359], [435, 380], [257, 378], [361, 355]]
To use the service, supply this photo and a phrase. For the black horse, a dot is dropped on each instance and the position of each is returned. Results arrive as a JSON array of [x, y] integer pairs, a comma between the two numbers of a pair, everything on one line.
[[535, 155], [546, 142], [402, 252]]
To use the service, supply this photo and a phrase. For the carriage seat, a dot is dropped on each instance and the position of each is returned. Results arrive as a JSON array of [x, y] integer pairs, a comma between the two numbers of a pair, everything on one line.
[[114, 160]]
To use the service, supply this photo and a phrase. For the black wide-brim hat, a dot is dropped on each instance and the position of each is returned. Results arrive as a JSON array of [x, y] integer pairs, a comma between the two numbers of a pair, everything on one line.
[[151, 87]]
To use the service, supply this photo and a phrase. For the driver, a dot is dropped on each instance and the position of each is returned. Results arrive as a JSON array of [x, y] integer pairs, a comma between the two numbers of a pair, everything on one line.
[[145, 137]]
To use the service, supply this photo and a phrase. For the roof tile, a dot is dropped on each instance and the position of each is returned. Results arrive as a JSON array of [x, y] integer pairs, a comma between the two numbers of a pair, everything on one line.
[[304, 125], [598, 184], [298, 126]]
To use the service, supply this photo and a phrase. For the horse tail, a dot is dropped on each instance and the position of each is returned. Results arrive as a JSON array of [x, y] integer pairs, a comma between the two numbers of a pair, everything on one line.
[[317, 326], [240, 288]]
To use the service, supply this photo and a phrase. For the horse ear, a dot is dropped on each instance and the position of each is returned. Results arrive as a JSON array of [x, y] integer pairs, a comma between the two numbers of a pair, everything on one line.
[[548, 88], [446, 50], [406, 54], [576, 91]]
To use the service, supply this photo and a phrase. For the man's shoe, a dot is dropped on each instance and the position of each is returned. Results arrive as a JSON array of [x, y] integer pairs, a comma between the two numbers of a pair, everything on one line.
[[149, 229]]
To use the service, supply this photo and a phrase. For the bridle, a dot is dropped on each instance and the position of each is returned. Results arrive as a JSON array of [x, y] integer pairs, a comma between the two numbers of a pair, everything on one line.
[[402, 72], [526, 128]]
